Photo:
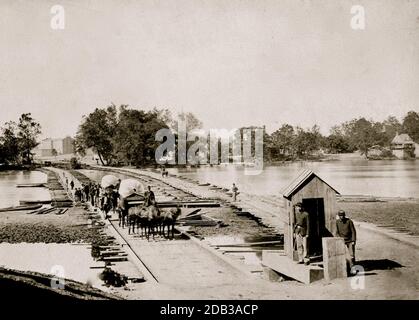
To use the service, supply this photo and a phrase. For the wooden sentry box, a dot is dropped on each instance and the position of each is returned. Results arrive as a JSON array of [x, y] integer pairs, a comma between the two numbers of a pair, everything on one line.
[[319, 200]]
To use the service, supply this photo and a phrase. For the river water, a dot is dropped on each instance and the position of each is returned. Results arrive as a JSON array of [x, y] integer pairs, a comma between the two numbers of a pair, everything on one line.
[[64, 260], [10, 195], [385, 178]]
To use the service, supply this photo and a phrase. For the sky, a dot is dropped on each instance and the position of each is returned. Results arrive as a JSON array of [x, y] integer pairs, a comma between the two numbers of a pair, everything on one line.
[[232, 63]]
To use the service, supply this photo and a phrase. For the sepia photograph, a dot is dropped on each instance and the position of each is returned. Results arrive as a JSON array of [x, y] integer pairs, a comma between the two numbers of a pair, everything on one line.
[[227, 151]]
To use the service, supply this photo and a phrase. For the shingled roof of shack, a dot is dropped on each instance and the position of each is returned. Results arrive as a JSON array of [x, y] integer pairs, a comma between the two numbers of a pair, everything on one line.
[[402, 139], [300, 181]]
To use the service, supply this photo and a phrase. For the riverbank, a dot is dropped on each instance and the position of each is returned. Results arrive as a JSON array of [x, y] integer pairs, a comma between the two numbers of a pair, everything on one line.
[[21, 285]]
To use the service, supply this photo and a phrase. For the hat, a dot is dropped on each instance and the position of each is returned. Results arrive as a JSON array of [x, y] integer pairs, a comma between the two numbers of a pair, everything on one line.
[[341, 213], [298, 204]]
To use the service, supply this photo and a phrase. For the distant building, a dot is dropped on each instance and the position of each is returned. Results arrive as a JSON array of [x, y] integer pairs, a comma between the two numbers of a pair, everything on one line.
[[51, 147], [403, 146], [68, 145], [45, 148]]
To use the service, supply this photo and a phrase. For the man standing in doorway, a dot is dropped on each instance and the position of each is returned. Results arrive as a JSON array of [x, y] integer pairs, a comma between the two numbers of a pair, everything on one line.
[[301, 233], [345, 229]]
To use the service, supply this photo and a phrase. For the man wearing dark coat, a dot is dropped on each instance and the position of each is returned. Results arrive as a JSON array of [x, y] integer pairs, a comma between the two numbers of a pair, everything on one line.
[[301, 233], [345, 229], [149, 197]]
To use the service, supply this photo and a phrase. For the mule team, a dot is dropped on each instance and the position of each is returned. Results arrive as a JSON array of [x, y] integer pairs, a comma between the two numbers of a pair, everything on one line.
[[147, 219]]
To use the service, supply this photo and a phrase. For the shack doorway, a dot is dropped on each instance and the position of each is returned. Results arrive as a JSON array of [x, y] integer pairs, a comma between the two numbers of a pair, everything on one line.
[[315, 209]]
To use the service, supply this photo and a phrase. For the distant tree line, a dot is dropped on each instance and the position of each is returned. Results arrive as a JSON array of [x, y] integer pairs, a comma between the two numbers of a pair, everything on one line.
[[127, 136], [360, 134], [17, 139]]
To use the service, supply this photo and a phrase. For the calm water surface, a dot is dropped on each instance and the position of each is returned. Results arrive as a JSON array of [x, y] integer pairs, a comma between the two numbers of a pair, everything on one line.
[[395, 178], [10, 195], [69, 261]]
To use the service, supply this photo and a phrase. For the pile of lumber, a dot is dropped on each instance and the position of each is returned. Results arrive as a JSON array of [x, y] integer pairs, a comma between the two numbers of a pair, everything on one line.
[[31, 185], [112, 253], [197, 219], [21, 207], [48, 210]]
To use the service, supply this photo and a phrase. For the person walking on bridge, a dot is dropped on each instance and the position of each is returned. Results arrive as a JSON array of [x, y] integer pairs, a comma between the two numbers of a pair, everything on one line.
[[235, 191]]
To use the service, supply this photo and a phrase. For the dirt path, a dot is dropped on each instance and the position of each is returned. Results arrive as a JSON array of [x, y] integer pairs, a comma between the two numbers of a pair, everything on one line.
[[184, 270]]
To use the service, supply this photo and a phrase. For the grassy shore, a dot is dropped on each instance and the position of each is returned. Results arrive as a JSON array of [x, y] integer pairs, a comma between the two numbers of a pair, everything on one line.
[[399, 214]]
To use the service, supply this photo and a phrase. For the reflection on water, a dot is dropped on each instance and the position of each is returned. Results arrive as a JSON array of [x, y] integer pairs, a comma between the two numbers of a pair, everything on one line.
[[76, 260], [386, 178], [10, 195]]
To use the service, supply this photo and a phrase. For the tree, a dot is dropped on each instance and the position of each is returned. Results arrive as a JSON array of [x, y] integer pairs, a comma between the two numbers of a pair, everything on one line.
[[134, 139], [336, 143], [282, 141], [411, 125], [307, 141], [28, 132], [363, 134], [97, 131], [391, 126], [9, 144], [190, 120]]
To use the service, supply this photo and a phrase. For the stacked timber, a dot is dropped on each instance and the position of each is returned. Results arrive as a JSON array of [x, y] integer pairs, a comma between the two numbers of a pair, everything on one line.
[[31, 185], [198, 220], [21, 208], [111, 253]]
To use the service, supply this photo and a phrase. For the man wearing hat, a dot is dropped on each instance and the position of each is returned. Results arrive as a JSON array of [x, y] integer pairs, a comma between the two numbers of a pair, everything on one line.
[[345, 229], [301, 232]]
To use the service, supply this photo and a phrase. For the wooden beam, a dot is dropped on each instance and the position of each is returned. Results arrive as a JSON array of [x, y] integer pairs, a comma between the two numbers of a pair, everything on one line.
[[249, 244], [334, 258]]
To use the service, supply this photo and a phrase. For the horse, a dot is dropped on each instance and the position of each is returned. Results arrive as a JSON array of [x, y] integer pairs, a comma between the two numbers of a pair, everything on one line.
[[147, 219], [154, 219], [138, 217], [169, 220]]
